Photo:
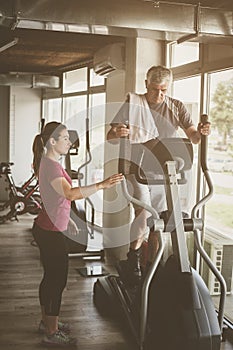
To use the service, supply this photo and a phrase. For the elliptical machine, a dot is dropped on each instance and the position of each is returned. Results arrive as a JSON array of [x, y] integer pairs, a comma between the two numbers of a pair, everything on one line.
[[172, 308]]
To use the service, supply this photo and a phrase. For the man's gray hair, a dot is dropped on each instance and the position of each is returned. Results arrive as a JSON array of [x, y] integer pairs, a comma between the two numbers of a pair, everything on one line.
[[159, 75]]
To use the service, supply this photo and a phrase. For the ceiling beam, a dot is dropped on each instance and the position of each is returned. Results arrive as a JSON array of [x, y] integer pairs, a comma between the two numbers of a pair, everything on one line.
[[125, 18]]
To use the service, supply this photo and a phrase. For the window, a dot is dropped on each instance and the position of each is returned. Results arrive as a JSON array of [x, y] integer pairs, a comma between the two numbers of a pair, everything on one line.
[[82, 108], [184, 53], [219, 209], [97, 134], [75, 80], [52, 109], [95, 79], [188, 91], [219, 230], [85, 113], [75, 114]]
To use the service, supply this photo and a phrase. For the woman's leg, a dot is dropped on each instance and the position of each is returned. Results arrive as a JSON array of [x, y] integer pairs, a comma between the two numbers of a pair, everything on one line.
[[54, 259]]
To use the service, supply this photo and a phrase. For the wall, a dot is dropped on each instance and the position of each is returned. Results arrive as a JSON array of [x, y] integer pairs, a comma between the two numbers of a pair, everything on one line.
[[25, 112], [149, 53], [4, 134], [4, 122]]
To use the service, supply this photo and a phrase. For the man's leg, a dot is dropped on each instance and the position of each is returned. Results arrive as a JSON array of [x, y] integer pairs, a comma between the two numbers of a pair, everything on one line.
[[130, 269]]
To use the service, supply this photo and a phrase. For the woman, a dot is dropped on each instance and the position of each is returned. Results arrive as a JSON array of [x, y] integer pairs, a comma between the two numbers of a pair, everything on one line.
[[56, 193]]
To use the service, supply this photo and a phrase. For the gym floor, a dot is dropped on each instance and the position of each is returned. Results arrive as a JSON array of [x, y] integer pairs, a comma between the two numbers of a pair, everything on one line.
[[20, 274]]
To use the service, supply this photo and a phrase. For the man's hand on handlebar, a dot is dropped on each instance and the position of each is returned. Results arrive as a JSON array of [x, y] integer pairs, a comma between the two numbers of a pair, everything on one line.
[[121, 130], [204, 128]]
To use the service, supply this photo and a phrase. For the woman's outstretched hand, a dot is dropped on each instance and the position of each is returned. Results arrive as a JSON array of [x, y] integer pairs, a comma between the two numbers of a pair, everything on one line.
[[111, 181]]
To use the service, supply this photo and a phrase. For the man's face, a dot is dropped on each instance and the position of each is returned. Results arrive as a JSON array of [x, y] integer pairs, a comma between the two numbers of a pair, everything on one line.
[[156, 93]]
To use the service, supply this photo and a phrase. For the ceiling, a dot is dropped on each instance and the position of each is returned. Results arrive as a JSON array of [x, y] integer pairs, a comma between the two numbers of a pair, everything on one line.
[[49, 52], [52, 36]]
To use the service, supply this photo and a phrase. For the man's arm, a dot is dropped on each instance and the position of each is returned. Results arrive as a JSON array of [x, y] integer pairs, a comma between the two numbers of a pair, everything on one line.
[[195, 134], [119, 127], [111, 135], [117, 131]]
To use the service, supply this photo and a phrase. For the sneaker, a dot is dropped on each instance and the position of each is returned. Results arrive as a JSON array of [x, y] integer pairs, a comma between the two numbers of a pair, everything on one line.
[[63, 327], [130, 270], [59, 339], [134, 267]]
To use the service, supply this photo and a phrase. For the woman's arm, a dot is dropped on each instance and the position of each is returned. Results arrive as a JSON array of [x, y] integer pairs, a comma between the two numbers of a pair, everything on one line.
[[62, 187]]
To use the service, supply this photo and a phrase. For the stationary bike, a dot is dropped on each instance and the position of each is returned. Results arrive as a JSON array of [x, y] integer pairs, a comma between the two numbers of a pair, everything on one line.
[[24, 199], [172, 308]]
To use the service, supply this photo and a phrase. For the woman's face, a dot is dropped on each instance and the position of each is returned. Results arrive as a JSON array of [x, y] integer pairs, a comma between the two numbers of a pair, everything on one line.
[[62, 144]]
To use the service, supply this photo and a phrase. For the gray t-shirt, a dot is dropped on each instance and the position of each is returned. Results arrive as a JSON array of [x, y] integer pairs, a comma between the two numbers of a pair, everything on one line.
[[168, 117]]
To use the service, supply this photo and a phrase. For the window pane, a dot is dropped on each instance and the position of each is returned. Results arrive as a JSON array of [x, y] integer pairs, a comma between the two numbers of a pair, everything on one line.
[[97, 140], [221, 151], [52, 110], [95, 79], [184, 53], [219, 230], [188, 91], [75, 80], [75, 113]]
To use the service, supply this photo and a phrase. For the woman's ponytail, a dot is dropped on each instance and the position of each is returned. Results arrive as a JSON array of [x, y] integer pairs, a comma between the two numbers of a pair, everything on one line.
[[38, 150]]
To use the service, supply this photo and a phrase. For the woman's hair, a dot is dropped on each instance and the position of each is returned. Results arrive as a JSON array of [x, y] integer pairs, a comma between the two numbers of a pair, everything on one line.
[[51, 129], [159, 75]]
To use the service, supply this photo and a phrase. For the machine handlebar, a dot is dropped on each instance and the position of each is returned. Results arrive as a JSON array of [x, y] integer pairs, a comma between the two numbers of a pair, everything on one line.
[[204, 144]]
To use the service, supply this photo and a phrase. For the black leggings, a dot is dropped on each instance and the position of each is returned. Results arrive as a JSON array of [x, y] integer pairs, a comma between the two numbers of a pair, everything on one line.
[[54, 258]]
